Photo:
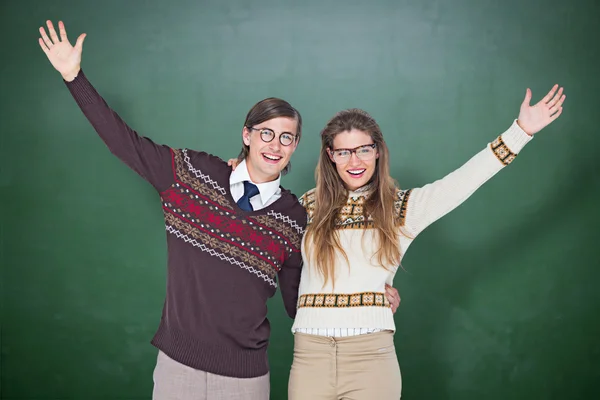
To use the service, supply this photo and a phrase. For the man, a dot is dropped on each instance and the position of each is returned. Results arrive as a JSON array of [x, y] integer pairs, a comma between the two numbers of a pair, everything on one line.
[[232, 238]]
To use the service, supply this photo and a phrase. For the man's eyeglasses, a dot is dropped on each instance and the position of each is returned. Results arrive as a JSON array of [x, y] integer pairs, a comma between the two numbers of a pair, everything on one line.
[[267, 135], [364, 153]]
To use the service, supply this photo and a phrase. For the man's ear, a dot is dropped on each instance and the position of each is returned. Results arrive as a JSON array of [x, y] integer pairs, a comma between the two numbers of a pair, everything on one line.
[[246, 136]]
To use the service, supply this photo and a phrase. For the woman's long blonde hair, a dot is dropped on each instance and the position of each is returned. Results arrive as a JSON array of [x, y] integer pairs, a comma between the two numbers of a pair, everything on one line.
[[331, 195]]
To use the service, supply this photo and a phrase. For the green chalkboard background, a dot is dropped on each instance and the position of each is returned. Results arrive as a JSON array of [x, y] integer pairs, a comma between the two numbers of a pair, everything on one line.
[[500, 298]]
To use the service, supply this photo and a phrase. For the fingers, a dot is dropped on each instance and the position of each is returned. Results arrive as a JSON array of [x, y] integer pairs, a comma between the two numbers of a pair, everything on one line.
[[79, 43], [558, 104], [555, 105], [391, 290], [391, 294], [45, 38], [547, 98], [527, 98], [394, 305], [232, 162], [556, 114], [556, 98], [52, 32], [43, 46], [393, 297], [63, 31]]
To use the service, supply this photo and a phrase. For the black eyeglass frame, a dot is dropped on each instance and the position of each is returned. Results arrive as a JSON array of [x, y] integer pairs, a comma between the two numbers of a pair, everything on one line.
[[272, 134]]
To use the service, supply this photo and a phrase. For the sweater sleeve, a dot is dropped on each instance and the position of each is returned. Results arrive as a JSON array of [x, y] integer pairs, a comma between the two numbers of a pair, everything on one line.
[[429, 203], [151, 161], [289, 276], [289, 282]]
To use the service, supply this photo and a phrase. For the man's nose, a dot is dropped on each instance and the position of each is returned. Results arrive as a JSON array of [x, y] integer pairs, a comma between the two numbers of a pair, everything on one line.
[[275, 145]]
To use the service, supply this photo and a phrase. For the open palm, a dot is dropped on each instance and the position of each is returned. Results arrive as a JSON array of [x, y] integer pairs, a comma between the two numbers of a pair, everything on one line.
[[533, 119], [65, 58]]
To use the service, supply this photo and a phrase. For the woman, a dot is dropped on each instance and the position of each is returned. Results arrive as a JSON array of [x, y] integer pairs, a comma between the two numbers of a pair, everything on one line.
[[360, 227]]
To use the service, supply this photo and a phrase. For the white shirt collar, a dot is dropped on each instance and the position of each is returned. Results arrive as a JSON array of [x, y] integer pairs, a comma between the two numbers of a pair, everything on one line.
[[363, 190], [266, 190]]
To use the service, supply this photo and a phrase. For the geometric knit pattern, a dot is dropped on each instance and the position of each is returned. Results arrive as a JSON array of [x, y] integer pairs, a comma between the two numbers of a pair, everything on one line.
[[401, 203], [287, 230], [287, 220], [197, 212], [220, 255], [364, 299], [351, 215], [198, 174], [502, 152], [186, 174]]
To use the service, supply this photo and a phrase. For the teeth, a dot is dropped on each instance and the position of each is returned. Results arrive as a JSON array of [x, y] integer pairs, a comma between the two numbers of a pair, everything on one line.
[[272, 157], [357, 172]]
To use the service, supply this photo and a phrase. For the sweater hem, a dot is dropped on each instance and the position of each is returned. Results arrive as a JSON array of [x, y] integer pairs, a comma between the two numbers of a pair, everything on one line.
[[331, 318], [215, 358]]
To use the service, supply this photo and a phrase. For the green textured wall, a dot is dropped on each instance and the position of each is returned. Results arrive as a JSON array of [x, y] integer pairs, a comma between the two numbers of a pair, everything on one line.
[[499, 297]]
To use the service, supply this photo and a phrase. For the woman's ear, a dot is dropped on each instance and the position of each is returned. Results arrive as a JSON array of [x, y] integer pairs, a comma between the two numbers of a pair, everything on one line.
[[328, 150]]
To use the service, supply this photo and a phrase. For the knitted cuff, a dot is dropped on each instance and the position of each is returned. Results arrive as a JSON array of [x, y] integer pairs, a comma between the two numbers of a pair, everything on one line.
[[510, 143], [81, 89]]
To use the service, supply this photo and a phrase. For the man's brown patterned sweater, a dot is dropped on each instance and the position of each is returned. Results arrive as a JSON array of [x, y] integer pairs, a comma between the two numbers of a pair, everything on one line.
[[223, 262]]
